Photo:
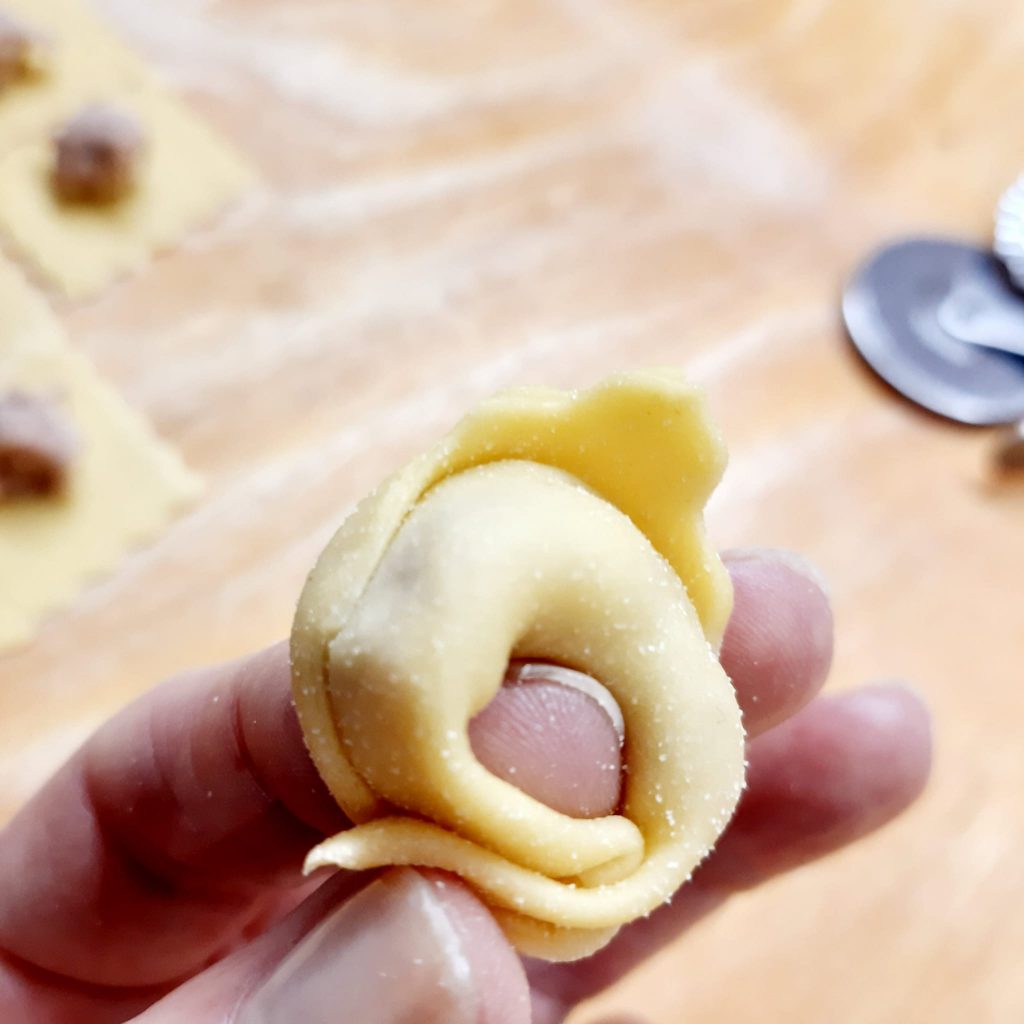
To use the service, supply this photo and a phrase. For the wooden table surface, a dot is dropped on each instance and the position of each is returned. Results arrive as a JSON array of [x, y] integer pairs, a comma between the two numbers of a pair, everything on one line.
[[464, 196]]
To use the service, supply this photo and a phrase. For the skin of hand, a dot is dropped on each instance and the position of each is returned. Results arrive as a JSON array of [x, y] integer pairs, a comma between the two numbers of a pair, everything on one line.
[[156, 876]]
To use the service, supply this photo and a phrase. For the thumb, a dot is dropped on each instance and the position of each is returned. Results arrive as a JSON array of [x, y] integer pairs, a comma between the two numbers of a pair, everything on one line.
[[408, 945], [557, 735]]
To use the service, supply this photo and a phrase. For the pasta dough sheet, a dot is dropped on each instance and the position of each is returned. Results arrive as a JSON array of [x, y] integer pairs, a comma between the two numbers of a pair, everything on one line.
[[86, 62], [548, 526], [187, 176], [124, 483]]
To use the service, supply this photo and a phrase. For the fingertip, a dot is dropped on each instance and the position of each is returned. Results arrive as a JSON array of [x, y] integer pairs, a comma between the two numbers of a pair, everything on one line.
[[410, 945], [496, 970], [778, 644], [863, 755], [838, 770], [890, 726], [554, 742], [798, 564], [868, 750]]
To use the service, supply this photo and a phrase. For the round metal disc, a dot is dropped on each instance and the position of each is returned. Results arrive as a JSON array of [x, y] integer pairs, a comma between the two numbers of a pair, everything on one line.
[[892, 311]]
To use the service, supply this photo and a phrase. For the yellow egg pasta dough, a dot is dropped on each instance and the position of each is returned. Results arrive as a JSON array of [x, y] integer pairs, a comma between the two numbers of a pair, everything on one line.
[[187, 175], [124, 483], [548, 526]]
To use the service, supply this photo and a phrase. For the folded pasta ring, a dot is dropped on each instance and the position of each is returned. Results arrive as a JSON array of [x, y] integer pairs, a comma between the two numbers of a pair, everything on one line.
[[548, 526]]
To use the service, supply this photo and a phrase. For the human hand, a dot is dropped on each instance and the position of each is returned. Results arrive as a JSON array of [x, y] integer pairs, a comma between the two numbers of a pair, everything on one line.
[[157, 874]]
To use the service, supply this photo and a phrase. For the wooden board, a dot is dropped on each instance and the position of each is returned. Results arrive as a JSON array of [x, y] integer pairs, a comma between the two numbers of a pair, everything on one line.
[[462, 197]]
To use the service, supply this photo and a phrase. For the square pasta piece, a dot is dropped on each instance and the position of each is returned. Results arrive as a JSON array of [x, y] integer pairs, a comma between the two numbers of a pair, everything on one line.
[[84, 61], [123, 486], [186, 177]]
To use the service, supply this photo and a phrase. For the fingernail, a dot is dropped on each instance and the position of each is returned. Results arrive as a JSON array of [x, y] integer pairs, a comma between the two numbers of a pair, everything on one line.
[[390, 954], [798, 563], [532, 672]]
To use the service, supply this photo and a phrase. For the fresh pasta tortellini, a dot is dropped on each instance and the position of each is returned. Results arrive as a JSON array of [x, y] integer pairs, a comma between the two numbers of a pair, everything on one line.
[[548, 526]]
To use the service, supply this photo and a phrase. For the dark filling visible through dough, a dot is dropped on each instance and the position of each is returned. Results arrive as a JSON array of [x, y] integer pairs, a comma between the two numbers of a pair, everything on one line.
[[20, 51], [98, 156], [37, 446]]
